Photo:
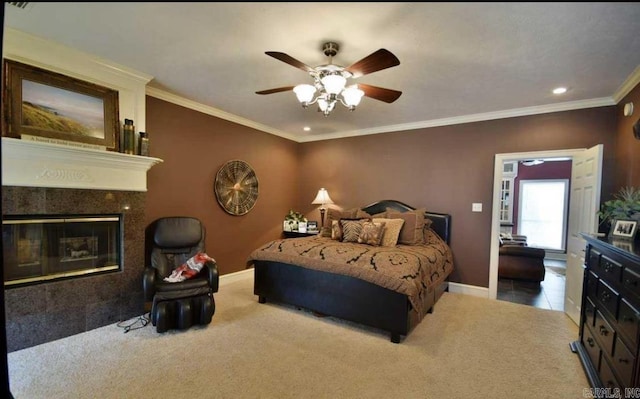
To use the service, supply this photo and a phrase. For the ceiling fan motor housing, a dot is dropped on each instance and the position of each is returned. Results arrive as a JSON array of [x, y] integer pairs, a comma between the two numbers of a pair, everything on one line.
[[330, 49]]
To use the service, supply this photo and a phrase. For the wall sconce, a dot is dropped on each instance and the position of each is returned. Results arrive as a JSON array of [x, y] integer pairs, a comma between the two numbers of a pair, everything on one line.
[[322, 198]]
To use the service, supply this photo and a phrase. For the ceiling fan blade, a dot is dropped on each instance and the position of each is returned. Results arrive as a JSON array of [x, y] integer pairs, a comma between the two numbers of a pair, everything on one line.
[[276, 90], [289, 60], [374, 62], [379, 93]]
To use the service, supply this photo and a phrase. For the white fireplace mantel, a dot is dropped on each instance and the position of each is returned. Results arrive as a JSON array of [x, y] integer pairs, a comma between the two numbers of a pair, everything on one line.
[[36, 164]]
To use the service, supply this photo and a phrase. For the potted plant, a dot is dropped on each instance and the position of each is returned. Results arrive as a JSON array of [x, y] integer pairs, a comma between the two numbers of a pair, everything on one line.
[[292, 219], [624, 205]]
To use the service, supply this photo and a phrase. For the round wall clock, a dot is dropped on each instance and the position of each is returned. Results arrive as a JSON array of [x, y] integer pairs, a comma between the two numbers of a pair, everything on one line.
[[236, 187]]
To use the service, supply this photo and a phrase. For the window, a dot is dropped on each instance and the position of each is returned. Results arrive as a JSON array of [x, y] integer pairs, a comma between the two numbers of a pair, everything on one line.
[[543, 213]]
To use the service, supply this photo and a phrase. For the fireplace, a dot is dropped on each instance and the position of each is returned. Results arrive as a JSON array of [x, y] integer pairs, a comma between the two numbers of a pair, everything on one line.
[[50, 247]]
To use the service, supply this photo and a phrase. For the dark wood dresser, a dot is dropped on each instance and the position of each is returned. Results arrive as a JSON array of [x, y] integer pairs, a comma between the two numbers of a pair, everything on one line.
[[610, 315]]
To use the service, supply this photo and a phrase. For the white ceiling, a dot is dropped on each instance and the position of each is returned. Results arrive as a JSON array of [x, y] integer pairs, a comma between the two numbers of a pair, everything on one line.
[[459, 62]]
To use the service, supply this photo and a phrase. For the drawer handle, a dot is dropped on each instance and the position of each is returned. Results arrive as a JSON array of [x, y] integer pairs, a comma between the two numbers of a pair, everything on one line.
[[628, 281], [626, 361], [590, 342], [605, 297], [607, 267], [604, 331]]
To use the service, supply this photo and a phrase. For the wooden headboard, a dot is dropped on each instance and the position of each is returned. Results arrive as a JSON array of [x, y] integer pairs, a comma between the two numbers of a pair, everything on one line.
[[441, 221]]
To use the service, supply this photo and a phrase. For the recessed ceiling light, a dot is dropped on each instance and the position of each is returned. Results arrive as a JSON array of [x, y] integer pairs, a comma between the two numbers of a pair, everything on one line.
[[306, 128], [559, 90]]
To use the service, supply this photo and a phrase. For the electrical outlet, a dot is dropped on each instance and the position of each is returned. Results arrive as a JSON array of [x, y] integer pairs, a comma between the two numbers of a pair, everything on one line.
[[476, 207]]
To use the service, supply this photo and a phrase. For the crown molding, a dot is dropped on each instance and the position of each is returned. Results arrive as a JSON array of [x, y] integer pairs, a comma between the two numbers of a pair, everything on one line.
[[457, 120], [629, 84], [205, 109]]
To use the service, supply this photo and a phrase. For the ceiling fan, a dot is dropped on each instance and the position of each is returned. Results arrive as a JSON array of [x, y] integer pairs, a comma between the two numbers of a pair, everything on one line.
[[330, 80]]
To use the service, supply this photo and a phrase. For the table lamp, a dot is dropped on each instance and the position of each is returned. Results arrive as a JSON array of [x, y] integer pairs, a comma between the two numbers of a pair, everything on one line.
[[322, 198]]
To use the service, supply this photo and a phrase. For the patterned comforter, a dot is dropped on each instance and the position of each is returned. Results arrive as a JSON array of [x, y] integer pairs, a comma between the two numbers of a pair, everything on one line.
[[407, 269]]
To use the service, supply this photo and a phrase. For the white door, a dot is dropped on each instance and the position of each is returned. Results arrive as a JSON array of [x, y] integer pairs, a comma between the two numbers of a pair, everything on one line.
[[586, 174]]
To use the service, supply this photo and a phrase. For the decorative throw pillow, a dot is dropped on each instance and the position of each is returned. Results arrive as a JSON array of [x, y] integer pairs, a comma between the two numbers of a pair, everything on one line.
[[189, 269], [336, 230], [371, 233], [412, 230], [391, 231], [335, 214], [351, 229]]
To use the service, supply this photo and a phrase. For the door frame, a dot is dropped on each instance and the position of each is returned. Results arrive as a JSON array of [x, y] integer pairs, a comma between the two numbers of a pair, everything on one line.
[[495, 208]]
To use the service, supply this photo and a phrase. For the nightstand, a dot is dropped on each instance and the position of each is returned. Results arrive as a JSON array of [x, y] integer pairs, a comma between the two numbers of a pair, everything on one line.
[[294, 234]]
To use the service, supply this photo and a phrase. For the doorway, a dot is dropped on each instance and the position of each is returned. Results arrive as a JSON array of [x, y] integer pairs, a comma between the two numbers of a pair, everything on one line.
[[581, 204]]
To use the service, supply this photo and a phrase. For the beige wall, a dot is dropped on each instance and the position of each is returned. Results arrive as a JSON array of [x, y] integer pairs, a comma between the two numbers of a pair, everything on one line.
[[194, 146], [444, 169]]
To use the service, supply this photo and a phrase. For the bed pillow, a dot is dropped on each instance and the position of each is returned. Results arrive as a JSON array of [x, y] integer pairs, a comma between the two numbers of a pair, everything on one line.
[[412, 230], [360, 214], [371, 233], [335, 214], [351, 229], [391, 231]]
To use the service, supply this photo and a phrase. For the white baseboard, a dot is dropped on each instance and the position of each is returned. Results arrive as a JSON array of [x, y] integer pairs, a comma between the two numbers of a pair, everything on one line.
[[473, 290], [236, 276]]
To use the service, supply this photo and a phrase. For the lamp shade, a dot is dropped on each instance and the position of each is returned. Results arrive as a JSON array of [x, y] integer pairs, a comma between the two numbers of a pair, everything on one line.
[[322, 197], [352, 96], [304, 93], [333, 83]]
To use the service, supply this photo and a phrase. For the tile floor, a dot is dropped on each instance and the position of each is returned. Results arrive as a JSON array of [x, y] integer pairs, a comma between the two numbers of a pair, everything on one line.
[[548, 294]]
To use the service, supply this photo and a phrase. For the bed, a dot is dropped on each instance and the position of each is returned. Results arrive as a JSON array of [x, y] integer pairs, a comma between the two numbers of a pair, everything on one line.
[[390, 288]]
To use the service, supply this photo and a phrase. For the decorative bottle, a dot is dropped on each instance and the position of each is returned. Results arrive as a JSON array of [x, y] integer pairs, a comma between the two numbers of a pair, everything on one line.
[[129, 137], [143, 144]]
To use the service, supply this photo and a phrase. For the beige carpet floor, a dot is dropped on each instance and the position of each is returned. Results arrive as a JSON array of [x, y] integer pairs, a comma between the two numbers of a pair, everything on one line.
[[468, 348]]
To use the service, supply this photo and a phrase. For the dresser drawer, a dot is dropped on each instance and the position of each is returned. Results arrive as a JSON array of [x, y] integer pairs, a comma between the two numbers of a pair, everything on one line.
[[604, 332], [631, 282], [608, 298], [589, 312], [628, 322], [609, 379], [623, 361], [592, 285], [594, 258], [609, 269], [592, 347]]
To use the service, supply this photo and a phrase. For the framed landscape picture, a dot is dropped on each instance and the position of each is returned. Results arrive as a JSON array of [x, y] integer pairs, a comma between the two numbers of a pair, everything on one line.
[[46, 106]]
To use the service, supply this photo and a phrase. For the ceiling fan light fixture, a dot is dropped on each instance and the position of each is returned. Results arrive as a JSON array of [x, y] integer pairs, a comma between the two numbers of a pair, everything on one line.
[[333, 83], [305, 93], [330, 80], [352, 96]]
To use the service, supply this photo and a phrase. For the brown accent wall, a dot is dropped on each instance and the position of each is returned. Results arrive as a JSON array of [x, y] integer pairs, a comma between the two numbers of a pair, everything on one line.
[[446, 169], [194, 146], [627, 146]]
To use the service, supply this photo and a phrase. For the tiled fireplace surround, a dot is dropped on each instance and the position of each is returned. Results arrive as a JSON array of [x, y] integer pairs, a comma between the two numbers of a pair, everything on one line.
[[48, 311]]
